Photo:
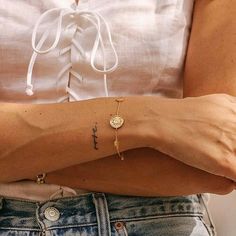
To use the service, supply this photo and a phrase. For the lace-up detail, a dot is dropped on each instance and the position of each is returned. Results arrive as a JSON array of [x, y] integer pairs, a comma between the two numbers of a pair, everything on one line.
[[74, 13]]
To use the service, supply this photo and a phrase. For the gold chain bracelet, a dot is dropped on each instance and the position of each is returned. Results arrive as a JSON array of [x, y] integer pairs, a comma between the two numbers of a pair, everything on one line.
[[117, 122]]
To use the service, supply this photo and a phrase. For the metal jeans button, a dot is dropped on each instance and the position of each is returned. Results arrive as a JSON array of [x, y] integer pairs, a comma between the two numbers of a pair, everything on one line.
[[119, 225], [52, 214]]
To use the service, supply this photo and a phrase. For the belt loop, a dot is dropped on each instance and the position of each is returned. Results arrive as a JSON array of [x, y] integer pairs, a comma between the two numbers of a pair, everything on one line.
[[103, 219]]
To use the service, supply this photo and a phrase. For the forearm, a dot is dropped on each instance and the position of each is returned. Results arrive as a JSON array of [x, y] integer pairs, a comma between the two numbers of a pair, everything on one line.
[[145, 172], [40, 138], [50, 126], [210, 68]]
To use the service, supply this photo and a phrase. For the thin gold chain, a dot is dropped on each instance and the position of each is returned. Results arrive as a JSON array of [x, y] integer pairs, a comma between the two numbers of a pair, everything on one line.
[[116, 142]]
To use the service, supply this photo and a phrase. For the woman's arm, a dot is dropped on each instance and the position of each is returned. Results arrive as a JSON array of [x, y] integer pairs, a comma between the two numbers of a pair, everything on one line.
[[44, 138], [145, 172], [57, 136], [210, 68]]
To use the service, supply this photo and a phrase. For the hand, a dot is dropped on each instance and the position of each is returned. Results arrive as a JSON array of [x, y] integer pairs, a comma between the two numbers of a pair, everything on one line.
[[200, 131]]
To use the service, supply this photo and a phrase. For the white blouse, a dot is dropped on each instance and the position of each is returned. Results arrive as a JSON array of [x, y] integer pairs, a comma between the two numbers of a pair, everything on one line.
[[96, 49]]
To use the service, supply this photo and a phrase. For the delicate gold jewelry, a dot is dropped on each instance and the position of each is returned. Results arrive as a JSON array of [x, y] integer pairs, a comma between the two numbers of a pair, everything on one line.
[[41, 178], [117, 122]]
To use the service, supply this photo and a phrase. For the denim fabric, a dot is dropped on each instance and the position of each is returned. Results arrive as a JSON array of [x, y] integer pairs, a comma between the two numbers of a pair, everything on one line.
[[99, 214]]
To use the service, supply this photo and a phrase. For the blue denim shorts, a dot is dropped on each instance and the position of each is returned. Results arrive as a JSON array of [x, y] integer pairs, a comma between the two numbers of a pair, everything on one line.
[[100, 214]]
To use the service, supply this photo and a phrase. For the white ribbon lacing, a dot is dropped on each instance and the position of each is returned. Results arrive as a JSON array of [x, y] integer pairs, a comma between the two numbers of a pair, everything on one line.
[[96, 19]]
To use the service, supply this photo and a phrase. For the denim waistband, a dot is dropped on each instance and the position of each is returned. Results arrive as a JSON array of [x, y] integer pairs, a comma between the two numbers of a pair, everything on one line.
[[85, 209]]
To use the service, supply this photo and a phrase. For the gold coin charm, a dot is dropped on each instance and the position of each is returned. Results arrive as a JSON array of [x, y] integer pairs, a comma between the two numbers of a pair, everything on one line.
[[116, 122]]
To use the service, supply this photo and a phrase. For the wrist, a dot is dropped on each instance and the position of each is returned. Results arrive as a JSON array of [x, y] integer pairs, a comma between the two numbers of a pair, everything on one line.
[[143, 122], [161, 125]]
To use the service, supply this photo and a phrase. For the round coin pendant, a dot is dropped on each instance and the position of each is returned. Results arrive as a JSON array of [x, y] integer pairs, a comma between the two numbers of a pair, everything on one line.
[[116, 122]]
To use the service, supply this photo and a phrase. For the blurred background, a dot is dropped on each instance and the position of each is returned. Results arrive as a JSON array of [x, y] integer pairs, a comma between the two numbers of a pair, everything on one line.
[[223, 210]]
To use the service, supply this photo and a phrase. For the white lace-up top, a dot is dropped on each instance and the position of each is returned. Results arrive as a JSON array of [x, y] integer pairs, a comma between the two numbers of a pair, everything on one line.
[[55, 51]]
